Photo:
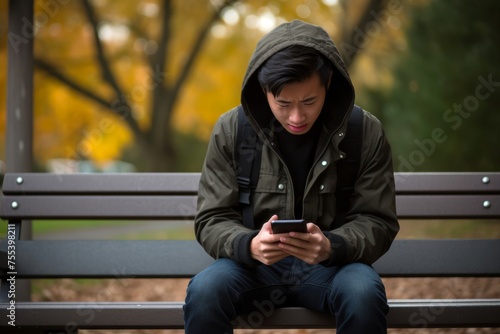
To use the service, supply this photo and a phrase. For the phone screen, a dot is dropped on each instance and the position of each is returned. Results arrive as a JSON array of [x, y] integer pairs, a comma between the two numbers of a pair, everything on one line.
[[289, 225]]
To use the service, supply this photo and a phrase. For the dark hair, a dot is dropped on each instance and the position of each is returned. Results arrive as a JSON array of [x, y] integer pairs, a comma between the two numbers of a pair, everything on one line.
[[295, 63]]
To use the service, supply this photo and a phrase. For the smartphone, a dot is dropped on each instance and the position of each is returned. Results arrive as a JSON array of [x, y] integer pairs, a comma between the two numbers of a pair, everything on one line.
[[289, 225]]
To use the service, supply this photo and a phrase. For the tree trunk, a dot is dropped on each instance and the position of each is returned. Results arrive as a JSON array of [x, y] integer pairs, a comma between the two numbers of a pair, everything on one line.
[[152, 157]]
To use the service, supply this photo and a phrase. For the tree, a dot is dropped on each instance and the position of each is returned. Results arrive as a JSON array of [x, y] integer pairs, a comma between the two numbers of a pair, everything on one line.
[[155, 141], [441, 111], [141, 64]]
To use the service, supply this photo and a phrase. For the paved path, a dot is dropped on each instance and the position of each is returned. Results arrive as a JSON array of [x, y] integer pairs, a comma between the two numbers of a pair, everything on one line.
[[113, 231]]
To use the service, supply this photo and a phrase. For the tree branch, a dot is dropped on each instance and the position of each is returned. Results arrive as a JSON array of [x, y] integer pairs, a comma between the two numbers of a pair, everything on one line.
[[355, 37], [114, 107], [63, 78], [161, 57], [158, 63], [120, 105], [101, 58], [164, 104], [174, 93]]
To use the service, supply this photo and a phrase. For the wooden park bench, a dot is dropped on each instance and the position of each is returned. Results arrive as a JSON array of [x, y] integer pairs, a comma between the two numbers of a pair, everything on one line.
[[172, 196]]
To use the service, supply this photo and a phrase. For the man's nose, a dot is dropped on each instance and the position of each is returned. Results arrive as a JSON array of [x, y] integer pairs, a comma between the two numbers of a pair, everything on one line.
[[296, 115]]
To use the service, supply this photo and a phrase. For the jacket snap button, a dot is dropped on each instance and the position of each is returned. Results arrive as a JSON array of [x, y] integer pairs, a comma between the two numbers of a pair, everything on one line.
[[322, 187], [324, 163], [281, 186]]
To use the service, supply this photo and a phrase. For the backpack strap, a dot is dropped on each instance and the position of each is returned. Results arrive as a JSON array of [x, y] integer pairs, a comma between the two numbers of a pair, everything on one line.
[[348, 168], [247, 152]]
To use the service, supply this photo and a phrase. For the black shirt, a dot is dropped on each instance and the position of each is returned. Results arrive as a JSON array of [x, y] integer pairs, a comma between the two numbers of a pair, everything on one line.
[[298, 153]]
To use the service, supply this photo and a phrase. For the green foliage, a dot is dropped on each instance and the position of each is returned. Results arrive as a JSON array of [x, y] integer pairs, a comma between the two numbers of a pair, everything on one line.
[[191, 152], [441, 113]]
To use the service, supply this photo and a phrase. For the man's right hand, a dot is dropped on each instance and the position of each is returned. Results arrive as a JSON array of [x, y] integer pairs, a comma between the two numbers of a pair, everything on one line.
[[264, 246]]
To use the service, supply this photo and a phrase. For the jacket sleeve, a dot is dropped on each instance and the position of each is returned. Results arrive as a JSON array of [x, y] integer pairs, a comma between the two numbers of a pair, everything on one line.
[[371, 223], [218, 222]]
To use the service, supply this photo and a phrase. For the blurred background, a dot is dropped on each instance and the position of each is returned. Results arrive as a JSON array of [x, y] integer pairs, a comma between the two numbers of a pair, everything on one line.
[[138, 85]]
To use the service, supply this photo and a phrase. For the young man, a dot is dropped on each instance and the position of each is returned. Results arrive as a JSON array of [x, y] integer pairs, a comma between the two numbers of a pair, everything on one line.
[[298, 97]]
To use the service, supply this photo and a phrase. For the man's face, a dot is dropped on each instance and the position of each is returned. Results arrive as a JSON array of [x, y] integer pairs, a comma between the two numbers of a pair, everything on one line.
[[299, 104]]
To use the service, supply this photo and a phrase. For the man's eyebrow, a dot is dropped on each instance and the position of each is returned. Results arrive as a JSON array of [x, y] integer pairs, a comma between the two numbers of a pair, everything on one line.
[[281, 100], [309, 99]]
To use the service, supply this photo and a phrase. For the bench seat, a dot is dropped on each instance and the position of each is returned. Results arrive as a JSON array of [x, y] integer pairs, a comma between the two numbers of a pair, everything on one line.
[[418, 313], [172, 196]]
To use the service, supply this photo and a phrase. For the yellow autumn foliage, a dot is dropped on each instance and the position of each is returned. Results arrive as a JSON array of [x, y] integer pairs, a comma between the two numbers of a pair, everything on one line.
[[69, 125]]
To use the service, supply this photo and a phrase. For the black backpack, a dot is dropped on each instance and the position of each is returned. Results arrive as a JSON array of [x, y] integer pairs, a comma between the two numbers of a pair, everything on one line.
[[248, 148]]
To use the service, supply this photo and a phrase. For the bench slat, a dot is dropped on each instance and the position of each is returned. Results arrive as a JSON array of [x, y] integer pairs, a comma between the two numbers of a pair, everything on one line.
[[185, 258], [184, 207], [450, 183], [99, 207], [109, 258], [187, 183], [447, 206], [437, 258], [113, 183], [168, 315]]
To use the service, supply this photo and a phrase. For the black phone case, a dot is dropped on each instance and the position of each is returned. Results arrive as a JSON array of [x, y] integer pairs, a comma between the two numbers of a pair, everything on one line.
[[285, 226]]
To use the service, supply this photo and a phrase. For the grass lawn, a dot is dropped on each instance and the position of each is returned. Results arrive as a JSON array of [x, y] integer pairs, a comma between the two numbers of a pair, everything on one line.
[[435, 229], [410, 229], [178, 233], [48, 226]]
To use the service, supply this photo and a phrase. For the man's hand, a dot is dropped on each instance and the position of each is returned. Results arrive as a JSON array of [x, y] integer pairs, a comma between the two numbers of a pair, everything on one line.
[[312, 247], [265, 245]]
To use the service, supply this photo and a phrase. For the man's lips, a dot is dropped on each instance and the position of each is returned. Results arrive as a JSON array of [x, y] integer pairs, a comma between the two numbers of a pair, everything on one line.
[[297, 128]]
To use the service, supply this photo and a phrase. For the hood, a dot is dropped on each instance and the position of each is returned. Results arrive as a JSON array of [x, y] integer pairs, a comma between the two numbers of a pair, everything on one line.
[[340, 96]]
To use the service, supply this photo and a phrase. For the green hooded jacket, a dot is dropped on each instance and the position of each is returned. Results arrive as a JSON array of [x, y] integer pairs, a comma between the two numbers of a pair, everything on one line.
[[370, 224]]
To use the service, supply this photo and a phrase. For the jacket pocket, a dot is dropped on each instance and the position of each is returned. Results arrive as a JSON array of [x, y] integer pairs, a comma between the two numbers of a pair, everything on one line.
[[322, 200], [270, 197]]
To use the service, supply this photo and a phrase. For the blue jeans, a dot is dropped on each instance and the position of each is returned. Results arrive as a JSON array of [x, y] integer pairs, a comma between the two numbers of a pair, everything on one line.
[[354, 294]]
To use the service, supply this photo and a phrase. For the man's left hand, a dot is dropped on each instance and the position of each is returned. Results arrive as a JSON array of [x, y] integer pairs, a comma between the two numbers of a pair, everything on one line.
[[312, 247]]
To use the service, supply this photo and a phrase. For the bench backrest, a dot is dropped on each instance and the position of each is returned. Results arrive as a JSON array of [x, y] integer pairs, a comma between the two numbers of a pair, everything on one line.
[[172, 196]]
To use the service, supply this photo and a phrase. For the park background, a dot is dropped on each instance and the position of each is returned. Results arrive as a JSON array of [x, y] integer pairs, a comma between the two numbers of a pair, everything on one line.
[[136, 86]]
